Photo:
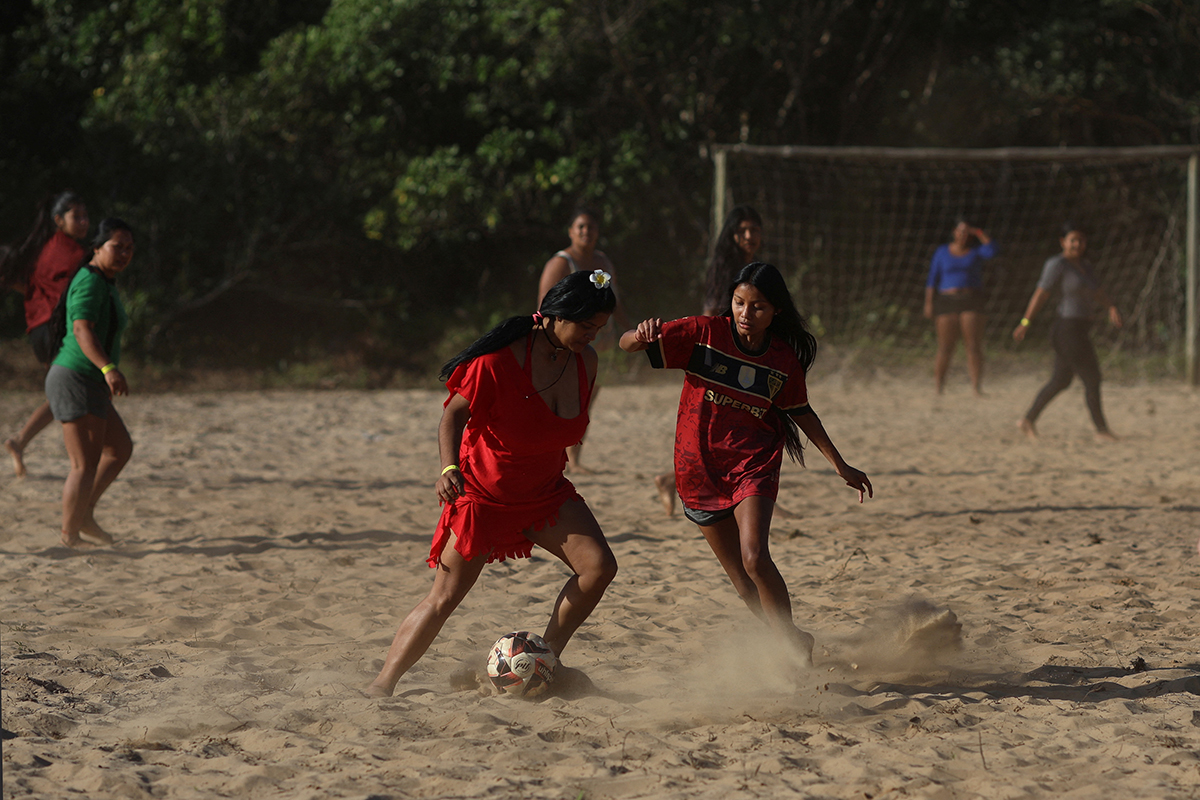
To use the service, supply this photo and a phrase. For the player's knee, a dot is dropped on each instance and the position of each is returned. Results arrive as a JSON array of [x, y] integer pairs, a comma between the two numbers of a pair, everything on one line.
[[441, 605], [123, 450], [608, 569], [1062, 382], [756, 563], [601, 571]]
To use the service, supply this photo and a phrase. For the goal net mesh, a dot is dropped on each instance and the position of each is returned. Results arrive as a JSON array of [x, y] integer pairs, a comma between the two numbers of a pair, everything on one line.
[[854, 232]]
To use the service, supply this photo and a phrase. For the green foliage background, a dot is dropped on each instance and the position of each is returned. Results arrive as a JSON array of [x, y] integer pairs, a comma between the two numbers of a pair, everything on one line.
[[311, 178]]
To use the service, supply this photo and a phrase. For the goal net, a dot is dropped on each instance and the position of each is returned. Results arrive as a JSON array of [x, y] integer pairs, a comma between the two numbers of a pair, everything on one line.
[[854, 229]]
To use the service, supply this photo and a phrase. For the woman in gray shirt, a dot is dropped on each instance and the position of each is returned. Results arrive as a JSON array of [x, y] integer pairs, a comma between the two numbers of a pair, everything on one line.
[[1082, 298]]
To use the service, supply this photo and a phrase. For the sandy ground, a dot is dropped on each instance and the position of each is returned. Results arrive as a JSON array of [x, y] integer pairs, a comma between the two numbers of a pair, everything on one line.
[[269, 543]]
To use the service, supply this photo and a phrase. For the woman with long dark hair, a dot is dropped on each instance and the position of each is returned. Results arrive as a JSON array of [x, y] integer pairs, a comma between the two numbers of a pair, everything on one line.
[[519, 397], [1082, 298], [737, 244], [84, 377], [744, 402], [40, 268]]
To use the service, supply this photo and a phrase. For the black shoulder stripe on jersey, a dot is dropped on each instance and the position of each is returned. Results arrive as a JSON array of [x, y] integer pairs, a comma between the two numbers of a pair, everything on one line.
[[735, 373], [655, 353]]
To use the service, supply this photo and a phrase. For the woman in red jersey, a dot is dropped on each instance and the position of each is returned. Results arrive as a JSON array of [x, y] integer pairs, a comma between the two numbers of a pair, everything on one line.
[[40, 268], [743, 403]]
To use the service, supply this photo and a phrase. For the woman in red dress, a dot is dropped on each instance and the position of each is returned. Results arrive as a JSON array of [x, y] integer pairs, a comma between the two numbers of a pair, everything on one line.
[[40, 268], [518, 398]]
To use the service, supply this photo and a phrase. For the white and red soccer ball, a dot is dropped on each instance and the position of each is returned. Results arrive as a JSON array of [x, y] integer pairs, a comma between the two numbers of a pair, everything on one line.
[[521, 663]]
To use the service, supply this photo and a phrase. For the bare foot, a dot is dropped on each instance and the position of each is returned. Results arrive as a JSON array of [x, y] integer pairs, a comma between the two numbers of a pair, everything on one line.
[[570, 683], [17, 453], [1106, 436], [574, 454], [1027, 428], [665, 484], [803, 643], [374, 690], [92, 530], [73, 541]]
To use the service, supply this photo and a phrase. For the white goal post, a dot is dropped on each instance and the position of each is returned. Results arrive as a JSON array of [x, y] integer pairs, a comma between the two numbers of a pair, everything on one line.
[[854, 228]]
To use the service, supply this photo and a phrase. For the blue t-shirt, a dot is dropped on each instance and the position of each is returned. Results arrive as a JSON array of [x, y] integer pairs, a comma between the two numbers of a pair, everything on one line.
[[947, 271]]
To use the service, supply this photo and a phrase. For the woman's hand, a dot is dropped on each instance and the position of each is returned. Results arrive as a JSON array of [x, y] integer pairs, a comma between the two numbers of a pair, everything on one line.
[[929, 311], [649, 330], [856, 479], [1019, 332], [116, 383], [450, 486], [1114, 316], [638, 339]]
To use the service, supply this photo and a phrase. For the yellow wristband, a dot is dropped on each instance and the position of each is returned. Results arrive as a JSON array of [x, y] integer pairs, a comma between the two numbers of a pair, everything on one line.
[[107, 368], [447, 469], [1024, 322]]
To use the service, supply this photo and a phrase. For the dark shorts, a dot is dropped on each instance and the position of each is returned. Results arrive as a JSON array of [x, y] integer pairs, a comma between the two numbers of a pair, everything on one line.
[[958, 303], [43, 343], [705, 518], [71, 395]]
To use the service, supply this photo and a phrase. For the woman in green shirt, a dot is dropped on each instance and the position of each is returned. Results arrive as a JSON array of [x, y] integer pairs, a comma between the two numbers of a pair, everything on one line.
[[84, 376]]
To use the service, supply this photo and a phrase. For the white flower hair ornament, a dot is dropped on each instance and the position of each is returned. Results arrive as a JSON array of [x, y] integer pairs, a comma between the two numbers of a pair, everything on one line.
[[601, 279]]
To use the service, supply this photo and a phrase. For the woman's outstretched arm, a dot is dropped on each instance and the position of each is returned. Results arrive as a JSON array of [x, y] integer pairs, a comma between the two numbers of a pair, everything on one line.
[[810, 424], [639, 338]]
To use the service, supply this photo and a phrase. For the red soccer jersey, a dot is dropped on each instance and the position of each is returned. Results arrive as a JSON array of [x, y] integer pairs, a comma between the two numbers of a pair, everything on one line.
[[56, 264], [729, 438]]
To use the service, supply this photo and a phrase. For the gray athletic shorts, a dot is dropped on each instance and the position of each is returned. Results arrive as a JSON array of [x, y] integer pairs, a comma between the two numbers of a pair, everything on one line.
[[71, 395]]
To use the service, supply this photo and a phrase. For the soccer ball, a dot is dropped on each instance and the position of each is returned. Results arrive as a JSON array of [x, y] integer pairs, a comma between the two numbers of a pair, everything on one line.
[[521, 663]]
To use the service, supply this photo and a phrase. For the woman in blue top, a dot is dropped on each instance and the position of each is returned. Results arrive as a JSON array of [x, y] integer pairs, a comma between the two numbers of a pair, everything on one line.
[[1082, 299], [84, 376], [954, 300]]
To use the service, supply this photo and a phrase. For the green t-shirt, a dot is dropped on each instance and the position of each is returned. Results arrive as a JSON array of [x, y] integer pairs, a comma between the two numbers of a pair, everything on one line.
[[93, 297]]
